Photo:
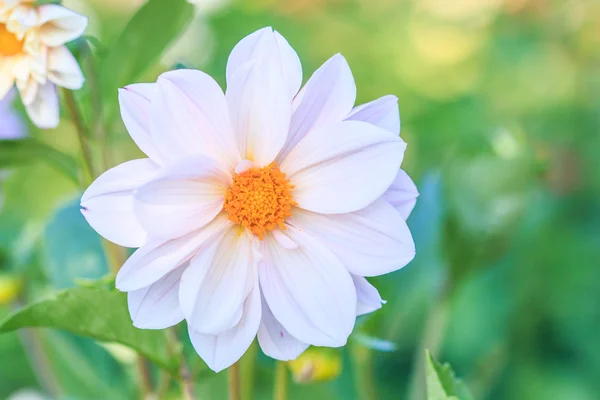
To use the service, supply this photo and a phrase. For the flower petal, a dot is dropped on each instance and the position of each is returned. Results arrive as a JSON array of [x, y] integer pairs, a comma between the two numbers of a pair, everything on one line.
[[184, 197], [274, 340], [308, 290], [217, 281], [190, 117], [7, 77], [343, 167], [135, 101], [327, 97], [59, 25], [268, 44], [157, 306], [222, 350], [382, 112], [367, 296], [63, 69], [158, 257], [43, 110], [260, 111], [402, 194], [372, 241], [107, 204]]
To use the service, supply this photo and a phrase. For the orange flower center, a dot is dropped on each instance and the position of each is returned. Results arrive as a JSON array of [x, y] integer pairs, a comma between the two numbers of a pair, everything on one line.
[[260, 199], [9, 44]]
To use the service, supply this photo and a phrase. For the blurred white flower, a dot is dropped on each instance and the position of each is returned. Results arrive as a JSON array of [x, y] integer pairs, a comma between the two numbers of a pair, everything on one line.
[[259, 211], [34, 56]]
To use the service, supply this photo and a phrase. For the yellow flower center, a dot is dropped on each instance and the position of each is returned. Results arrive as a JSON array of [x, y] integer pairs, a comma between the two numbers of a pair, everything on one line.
[[260, 199], [10, 45]]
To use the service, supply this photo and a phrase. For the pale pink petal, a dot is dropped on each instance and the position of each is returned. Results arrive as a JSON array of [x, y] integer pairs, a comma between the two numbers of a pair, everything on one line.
[[107, 204], [157, 306], [222, 350], [327, 97], [372, 241], [135, 101], [308, 290], [274, 340], [59, 25], [217, 281], [182, 198], [260, 112], [367, 296], [63, 69], [382, 112], [343, 167], [402, 194], [190, 117], [157, 257], [268, 44], [43, 110]]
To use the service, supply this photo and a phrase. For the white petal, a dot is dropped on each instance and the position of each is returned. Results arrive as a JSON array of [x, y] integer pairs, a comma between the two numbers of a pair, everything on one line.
[[59, 25], [222, 350], [7, 78], [158, 257], [63, 69], [107, 204], [402, 194], [268, 44], [367, 296], [157, 306], [135, 101], [343, 167], [372, 241], [308, 290], [190, 117], [274, 340], [327, 97], [215, 285], [260, 112], [382, 112], [43, 110], [184, 197]]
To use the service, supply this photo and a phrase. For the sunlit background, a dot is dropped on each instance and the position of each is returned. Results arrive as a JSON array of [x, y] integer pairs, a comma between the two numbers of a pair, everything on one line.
[[500, 107]]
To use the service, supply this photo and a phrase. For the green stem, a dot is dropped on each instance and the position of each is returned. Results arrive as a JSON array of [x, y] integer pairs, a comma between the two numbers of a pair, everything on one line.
[[145, 376], [247, 363], [86, 151], [100, 132], [363, 372], [115, 255], [281, 381], [435, 328], [234, 382]]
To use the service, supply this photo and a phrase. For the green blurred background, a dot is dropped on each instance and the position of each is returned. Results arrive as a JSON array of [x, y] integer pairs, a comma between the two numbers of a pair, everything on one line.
[[500, 107]]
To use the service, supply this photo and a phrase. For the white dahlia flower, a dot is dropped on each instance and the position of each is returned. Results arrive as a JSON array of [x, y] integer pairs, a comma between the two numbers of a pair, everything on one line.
[[259, 211], [34, 56]]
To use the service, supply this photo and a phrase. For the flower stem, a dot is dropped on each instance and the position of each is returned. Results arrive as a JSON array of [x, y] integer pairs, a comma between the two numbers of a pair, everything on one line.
[[363, 372], [99, 127], [145, 376], [86, 151], [235, 392], [281, 381]]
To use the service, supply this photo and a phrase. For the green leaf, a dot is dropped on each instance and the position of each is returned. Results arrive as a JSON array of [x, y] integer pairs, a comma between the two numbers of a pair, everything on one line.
[[442, 384], [156, 24], [14, 153], [97, 313]]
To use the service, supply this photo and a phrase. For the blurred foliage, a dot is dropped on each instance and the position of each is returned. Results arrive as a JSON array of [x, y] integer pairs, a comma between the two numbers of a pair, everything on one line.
[[500, 107]]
